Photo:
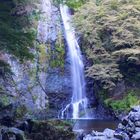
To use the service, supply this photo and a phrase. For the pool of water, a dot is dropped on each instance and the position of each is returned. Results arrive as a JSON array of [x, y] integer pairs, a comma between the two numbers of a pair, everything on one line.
[[97, 125]]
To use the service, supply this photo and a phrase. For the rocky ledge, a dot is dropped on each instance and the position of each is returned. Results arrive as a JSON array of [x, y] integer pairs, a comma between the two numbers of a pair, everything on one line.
[[38, 130], [128, 129]]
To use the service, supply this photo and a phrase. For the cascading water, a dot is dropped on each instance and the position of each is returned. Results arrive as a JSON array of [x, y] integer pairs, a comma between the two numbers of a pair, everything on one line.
[[79, 100]]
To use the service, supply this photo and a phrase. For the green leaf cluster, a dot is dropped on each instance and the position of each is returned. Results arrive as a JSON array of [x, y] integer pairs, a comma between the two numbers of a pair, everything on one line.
[[125, 103], [71, 3]]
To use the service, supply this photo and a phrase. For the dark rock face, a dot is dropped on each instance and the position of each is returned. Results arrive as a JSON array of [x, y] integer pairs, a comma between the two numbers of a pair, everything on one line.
[[90, 93], [59, 89]]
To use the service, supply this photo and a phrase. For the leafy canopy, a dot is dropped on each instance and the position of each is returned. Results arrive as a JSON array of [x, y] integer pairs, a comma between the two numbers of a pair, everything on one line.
[[15, 38]]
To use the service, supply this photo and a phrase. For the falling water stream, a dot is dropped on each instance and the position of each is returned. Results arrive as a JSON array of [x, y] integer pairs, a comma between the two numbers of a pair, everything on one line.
[[79, 100]]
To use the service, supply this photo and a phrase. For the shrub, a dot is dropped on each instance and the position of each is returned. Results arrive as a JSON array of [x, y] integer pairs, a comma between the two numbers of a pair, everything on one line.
[[123, 104], [114, 4]]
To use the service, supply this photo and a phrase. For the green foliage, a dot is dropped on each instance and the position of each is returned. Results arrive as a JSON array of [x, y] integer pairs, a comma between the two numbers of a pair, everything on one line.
[[75, 3], [98, 2], [103, 94], [123, 16], [14, 39], [71, 3], [4, 100], [57, 57], [43, 55], [99, 25], [124, 104], [21, 111], [114, 4], [34, 97]]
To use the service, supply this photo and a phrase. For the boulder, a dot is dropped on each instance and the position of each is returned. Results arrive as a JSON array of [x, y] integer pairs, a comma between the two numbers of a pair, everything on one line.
[[109, 133], [12, 133], [89, 137], [137, 123], [125, 121], [136, 136], [136, 109], [137, 129], [121, 136], [95, 133]]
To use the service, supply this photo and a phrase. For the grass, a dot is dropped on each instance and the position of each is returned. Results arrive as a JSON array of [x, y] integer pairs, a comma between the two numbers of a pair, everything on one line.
[[114, 4], [124, 103]]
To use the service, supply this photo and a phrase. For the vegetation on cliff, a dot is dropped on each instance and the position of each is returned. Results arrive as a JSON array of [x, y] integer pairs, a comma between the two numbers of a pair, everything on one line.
[[17, 33], [110, 37], [18, 29]]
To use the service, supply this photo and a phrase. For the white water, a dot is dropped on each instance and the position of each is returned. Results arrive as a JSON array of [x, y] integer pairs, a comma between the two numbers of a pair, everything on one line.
[[79, 100]]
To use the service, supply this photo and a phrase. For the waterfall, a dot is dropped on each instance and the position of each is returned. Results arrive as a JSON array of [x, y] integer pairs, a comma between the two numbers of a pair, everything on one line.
[[79, 100]]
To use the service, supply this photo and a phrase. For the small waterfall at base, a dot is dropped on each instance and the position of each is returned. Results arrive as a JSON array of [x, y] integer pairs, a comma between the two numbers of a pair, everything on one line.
[[79, 100]]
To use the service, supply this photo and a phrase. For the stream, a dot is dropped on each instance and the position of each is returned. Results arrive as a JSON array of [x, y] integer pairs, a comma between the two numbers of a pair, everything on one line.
[[94, 124]]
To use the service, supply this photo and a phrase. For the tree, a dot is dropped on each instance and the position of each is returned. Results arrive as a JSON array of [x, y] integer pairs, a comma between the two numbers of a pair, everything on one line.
[[16, 39]]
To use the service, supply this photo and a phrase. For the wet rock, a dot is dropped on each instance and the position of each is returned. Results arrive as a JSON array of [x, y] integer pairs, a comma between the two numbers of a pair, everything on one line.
[[137, 123], [90, 137], [95, 133], [131, 126], [12, 133], [59, 89], [134, 116], [80, 134], [92, 100], [136, 109], [109, 133], [121, 126], [137, 129], [136, 136], [125, 121], [121, 136]]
